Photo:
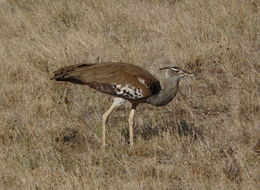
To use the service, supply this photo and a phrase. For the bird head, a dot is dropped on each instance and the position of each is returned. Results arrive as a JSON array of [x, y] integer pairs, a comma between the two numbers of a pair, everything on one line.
[[176, 72]]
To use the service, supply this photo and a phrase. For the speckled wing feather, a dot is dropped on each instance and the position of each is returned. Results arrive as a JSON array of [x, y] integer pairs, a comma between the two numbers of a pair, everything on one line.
[[119, 79]]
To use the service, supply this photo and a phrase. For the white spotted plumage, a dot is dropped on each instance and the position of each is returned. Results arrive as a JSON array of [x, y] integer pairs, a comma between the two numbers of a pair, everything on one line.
[[127, 91]]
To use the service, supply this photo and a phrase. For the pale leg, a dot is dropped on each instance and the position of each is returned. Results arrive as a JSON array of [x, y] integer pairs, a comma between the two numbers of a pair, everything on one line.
[[131, 124], [116, 103]]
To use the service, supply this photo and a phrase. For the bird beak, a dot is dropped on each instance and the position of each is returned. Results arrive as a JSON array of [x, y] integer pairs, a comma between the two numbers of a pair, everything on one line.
[[188, 74]]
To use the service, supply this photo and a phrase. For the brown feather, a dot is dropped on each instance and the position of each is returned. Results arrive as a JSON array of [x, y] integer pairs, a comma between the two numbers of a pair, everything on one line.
[[105, 76]]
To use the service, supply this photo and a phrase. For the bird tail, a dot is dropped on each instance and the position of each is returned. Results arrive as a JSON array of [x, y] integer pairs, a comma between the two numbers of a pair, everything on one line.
[[70, 73]]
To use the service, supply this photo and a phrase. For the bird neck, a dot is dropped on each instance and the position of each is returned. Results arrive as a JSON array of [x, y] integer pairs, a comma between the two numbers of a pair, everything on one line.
[[169, 91]]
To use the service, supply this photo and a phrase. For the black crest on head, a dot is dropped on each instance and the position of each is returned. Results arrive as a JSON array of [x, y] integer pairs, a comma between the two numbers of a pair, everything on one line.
[[174, 67]]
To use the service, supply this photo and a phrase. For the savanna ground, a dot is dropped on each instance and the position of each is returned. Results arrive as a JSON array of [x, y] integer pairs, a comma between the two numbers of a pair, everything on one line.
[[205, 139]]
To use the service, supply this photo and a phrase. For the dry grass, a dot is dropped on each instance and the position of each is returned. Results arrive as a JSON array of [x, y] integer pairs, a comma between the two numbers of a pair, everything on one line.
[[205, 139]]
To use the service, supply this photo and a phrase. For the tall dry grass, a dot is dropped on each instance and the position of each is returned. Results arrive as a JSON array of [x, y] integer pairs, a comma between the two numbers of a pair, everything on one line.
[[205, 139]]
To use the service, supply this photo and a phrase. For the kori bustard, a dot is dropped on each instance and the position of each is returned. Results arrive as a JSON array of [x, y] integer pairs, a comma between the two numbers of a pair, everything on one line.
[[126, 82]]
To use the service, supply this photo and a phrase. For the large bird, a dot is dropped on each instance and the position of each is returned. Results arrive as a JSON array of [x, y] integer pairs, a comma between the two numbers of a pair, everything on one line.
[[126, 82]]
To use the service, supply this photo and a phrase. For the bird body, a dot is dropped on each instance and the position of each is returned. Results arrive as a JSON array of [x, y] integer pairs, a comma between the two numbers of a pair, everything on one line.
[[123, 80], [126, 82]]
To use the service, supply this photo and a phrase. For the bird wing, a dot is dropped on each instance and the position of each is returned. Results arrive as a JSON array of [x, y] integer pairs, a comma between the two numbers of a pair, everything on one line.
[[119, 79]]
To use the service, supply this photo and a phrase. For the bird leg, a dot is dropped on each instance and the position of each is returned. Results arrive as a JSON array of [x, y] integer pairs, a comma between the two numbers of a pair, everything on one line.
[[131, 124], [116, 103]]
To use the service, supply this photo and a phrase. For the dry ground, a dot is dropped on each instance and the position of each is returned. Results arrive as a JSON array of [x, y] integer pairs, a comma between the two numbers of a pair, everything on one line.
[[205, 139]]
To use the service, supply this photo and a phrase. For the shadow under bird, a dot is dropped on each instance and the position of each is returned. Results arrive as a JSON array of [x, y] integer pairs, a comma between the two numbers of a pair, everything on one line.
[[126, 82]]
